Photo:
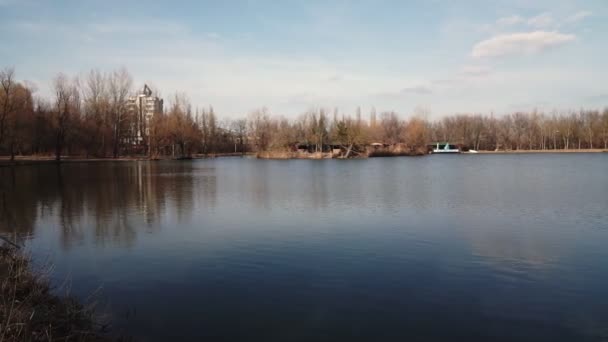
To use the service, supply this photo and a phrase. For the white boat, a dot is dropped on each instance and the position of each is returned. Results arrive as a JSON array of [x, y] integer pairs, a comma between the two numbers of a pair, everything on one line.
[[445, 148]]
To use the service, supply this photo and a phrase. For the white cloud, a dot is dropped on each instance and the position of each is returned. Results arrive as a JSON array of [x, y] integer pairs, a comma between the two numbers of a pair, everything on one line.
[[541, 20], [232, 72], [576, 17], [404, 93], [418, 90], [520, 43], [475, 70], [445, 81], [510, 21], [139, 28]]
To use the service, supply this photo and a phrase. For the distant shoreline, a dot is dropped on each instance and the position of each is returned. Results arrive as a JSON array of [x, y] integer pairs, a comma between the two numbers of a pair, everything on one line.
[[32, 160], [595, 150]]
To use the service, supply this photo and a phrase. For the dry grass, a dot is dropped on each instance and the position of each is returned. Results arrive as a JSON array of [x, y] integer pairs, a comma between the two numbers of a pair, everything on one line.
[[293, 155], [30, 312], [396, 151]]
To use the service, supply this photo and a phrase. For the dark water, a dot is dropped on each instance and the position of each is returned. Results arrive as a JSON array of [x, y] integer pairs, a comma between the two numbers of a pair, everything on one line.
[[478, 247]]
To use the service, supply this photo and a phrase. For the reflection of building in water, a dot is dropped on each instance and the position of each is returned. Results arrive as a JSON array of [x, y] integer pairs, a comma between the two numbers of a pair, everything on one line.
[[142, 107]]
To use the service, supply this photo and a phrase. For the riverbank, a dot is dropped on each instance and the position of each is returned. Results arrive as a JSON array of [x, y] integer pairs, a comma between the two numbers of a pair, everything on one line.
[[294, 155], [595, 150], [28, 160], [374, 152], [30, 312]]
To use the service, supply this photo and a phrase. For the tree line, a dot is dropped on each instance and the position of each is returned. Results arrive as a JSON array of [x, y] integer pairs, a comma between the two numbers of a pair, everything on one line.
[[88, 116]]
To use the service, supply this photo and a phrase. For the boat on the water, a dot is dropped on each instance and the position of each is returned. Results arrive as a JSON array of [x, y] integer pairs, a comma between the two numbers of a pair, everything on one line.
[[445, 148]]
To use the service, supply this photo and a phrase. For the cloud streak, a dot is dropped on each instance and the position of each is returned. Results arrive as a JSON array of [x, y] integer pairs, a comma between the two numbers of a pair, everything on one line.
[[542, 20], [407, 92], [510, 21], [576, 17], [417, 90], [520, 43], [475, 70]]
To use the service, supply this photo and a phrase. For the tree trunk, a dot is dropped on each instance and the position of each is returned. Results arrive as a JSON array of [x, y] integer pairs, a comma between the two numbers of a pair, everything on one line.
[[103, 145], [116, 143], [543, 142], [58, 147], [348, 150], [12, 150]]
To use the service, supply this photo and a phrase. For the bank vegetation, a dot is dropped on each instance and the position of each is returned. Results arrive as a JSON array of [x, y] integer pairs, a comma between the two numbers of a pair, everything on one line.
[[29, 311]]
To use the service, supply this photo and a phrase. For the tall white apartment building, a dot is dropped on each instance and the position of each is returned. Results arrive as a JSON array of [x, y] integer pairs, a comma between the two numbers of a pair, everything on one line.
[[143, 107]]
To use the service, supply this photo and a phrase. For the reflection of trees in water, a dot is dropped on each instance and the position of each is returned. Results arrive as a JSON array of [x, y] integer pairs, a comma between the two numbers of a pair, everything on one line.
[[206, 187], [180, 189], [259, 185], [102, 202], [512, 249], [16, 221], [279, 184], [318, 178]]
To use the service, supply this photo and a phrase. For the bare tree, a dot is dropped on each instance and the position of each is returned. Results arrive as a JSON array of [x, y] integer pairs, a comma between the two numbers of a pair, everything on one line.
[[19, 120], [7, 81], [260, 128], [239, 127], [349, 135], [96, 106], [391, 128], [416, 135], [67, 104], [120, 83], [181, 129]]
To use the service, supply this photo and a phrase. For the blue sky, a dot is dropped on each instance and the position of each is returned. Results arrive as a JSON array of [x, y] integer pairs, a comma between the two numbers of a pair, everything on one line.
[[290, 56]]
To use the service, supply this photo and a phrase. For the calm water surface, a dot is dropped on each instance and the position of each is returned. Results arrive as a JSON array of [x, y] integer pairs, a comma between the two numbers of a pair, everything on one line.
[[477, 247]]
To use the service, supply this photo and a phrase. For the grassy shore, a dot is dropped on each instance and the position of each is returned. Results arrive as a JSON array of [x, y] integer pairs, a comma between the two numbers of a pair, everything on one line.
[[30, 312]]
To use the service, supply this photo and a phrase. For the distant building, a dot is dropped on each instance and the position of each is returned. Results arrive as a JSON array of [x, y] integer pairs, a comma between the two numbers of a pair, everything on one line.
[[143, 107]]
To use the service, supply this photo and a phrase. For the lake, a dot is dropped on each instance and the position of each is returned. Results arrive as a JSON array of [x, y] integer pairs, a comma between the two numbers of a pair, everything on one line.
[[454, 247]]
